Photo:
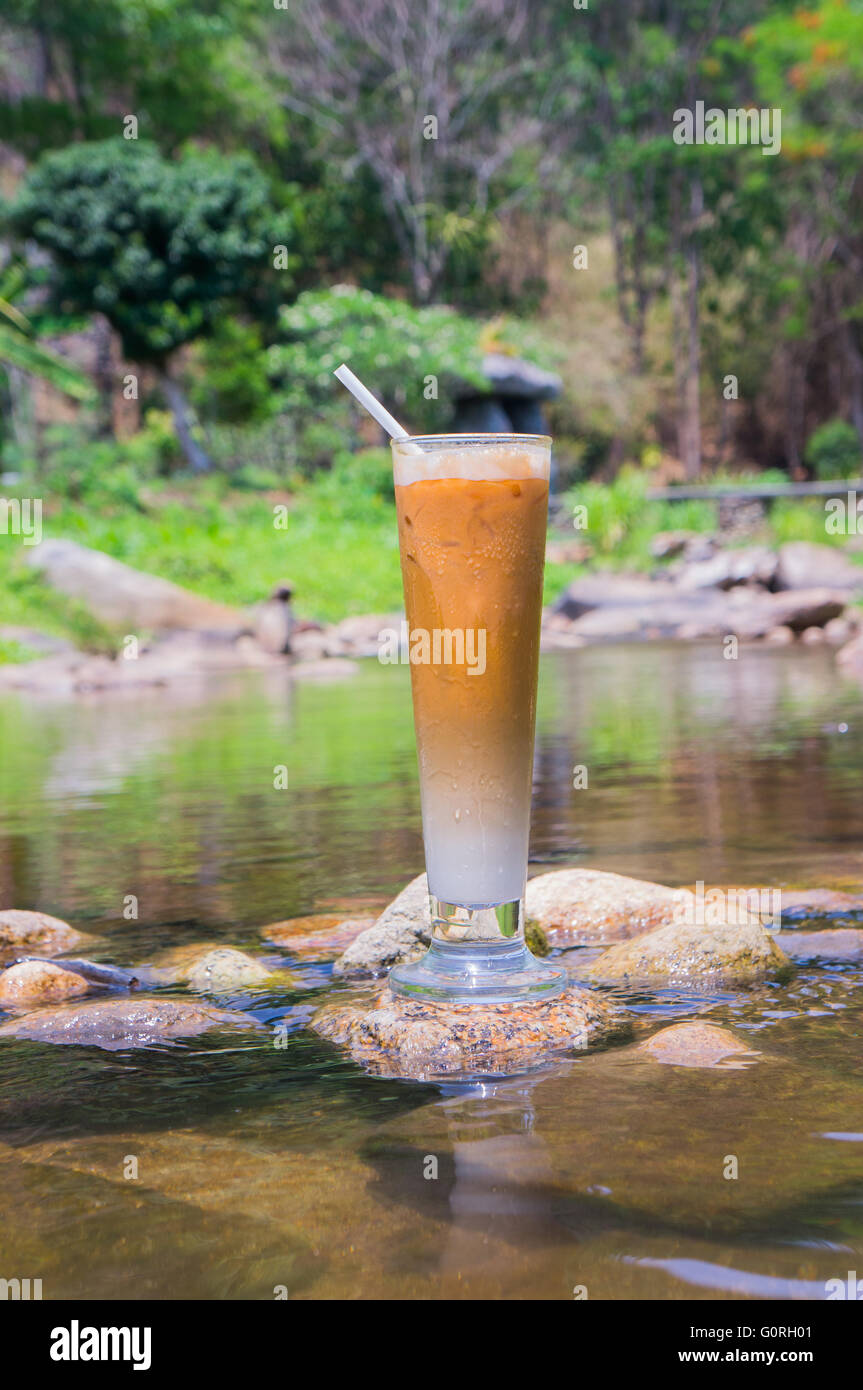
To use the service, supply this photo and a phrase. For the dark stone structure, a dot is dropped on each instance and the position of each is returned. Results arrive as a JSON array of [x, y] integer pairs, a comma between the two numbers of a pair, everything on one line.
[[513, 404]]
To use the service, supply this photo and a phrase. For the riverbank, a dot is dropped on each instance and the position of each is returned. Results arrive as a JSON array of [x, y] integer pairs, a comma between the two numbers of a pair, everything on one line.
[[334, 540]]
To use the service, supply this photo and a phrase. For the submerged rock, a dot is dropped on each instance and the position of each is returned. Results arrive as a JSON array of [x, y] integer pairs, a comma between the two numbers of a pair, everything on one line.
[[680, 953], [577, 907], [225, 969], [400, 933], [405, 1037], [121, 1023], [36, 932], [697, 1045], [322, 936], [35, 982], [211, 968], [801, 904], [834, 943]]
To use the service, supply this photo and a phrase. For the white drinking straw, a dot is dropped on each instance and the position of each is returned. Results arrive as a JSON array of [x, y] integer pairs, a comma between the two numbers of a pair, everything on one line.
[[368, 402]]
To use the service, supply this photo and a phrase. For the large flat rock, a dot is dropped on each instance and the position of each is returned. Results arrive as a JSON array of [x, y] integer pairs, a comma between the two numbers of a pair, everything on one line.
[[115, 1024], [123, 597], [404, 1037], [833, 943]]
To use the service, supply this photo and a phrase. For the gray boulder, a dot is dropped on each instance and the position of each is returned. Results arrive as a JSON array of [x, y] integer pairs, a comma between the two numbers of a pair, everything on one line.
[[585, 907], [805, 565], [608, 590], [755, 564], [682, 953], [728, 952], [799, 610], [638, 609], [513, 376], [402, 932]]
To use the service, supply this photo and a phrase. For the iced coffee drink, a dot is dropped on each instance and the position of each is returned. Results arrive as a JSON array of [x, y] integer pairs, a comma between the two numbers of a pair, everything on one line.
[[472, 515]]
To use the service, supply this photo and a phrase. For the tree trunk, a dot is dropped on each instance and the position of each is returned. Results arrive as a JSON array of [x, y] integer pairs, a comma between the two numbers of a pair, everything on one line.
[[21, 410], [675, 296], [677, 355], [692, 461], [196, 457], [854, 362], [104, 377], [795, 414]]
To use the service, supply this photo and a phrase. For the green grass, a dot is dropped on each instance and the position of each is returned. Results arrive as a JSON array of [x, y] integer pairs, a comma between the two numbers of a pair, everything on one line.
[[342, 558], [13, 652], [26, 602]]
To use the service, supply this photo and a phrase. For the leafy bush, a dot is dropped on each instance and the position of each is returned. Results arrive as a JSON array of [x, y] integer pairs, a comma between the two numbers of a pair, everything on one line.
[[833, 451], [233, 386], [365, 474], [621, 521], [156, 245], [12, 652], [76, 465], [267, 448], [394, 348]]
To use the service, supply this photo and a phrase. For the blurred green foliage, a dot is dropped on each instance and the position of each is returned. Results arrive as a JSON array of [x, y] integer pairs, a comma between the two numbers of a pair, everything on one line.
[[412, 358], [158, 246], [833, 451]]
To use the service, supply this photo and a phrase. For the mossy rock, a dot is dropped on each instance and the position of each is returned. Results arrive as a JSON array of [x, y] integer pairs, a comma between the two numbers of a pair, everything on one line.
[[535, 937]]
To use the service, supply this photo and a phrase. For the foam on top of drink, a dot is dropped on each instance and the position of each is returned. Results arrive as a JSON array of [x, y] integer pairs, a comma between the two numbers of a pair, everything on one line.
[[477, 462]]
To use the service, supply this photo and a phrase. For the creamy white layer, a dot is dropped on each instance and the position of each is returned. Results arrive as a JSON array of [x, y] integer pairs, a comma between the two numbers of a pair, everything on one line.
[[492, 461]]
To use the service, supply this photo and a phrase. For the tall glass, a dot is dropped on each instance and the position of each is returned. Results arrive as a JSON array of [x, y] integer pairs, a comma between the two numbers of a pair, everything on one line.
[[472, 515]]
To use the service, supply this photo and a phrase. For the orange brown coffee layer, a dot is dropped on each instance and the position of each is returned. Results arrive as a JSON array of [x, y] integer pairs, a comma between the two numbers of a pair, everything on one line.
[[472, 555]]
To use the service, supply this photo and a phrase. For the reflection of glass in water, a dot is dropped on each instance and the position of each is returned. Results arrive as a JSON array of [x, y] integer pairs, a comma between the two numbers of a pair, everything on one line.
[[503, 1176]]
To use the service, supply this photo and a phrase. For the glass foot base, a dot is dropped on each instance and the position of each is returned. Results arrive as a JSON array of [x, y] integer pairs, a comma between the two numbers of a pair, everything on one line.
[[478, 973]]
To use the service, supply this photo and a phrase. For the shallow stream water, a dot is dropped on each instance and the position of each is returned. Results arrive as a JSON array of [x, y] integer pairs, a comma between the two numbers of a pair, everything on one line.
[[262, 1167]]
